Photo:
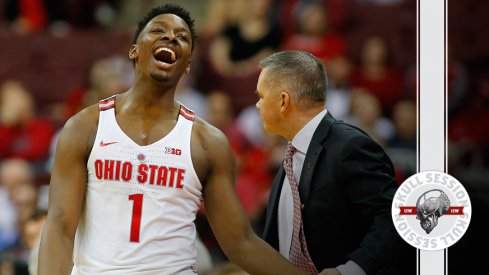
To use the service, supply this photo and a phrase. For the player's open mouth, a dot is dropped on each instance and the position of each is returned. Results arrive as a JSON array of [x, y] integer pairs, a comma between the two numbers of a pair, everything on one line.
[[165, 55]]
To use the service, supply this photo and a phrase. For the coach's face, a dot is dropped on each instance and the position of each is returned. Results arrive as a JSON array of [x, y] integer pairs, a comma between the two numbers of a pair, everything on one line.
[[269, 104]]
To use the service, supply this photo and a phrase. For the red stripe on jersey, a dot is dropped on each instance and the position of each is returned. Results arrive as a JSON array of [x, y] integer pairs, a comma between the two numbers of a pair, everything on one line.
[[106, 104], [186, 113]]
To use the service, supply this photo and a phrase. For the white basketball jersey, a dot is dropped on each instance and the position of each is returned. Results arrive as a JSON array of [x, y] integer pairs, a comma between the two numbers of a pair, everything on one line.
[[141, 202]]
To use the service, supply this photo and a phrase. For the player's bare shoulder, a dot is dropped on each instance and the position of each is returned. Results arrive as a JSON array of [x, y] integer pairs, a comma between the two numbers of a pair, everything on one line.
[[210, 147], [208, 135], [81, 129]]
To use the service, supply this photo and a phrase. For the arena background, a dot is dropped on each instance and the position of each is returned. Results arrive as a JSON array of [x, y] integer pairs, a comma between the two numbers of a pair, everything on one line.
[[63, 55]]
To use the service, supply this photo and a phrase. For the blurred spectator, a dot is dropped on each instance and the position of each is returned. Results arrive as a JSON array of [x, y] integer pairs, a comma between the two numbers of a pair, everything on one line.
[[366, 114], [108, 76], [336, 13], [32, 238], [7, 264], [89, 14], [339, 90], [250, 124], [231, 64], [467, 133], [254, 178], [26, 16], [8, 227], [105, 77], [219, 15], [457, 81], [402, 146], [19, 204], [17, 183], [381, 2], [25, 198], [239, 47], [219, 109], [191, 97], [314, 34], [377, 74], [22, 134], [22, 258]]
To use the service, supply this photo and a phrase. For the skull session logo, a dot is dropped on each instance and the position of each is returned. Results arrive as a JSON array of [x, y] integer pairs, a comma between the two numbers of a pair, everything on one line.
[[431, 210], [428, 210]]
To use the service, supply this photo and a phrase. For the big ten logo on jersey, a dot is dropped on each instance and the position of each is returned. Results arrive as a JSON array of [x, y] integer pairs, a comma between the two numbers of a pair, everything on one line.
[[173, 151], [125, 171]]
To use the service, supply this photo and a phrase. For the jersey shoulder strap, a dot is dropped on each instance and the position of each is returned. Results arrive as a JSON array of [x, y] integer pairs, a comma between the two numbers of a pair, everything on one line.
[[106, 104], [187, 113]]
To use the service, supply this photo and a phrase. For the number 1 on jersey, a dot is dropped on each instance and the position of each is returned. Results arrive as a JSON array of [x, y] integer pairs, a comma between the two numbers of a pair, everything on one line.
[[137, 208]]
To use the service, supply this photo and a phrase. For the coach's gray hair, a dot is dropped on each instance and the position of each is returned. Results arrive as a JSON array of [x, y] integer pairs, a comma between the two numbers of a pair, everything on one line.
[[303, 73]]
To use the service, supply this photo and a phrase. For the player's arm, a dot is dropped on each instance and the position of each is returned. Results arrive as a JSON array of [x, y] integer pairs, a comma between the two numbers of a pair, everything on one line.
[[227, 217], [66, 193]]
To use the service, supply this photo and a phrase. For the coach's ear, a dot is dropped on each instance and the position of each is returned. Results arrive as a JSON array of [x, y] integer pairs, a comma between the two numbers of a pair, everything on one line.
[[133, 52], [284, 101]]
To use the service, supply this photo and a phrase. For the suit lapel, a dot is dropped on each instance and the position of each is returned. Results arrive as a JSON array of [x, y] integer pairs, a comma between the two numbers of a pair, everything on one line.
[[308, 170], [313, 152]]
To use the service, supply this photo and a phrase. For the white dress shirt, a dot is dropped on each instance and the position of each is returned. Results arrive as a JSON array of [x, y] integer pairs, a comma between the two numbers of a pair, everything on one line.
[[285, 215]]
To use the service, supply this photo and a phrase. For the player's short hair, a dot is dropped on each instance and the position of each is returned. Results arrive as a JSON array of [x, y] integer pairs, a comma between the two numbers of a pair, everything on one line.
[[167, 9]]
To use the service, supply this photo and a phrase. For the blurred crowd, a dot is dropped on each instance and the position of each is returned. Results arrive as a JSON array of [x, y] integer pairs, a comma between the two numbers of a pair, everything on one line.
[[60, 56]]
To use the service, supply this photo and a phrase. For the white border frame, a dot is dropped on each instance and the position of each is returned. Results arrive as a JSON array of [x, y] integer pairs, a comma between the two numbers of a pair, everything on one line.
[[431, 108]]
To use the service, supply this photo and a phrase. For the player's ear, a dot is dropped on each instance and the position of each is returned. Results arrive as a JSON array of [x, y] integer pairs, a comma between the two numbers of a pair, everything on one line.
[[133, 52], [187, 70]]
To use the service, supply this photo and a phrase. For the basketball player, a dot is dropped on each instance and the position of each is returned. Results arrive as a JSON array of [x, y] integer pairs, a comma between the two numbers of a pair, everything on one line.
[[130, 173]]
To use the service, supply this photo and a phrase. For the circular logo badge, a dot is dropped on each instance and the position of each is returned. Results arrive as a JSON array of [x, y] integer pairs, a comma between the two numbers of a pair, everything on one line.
[[431, 210]]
